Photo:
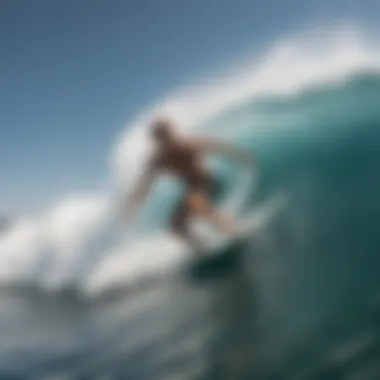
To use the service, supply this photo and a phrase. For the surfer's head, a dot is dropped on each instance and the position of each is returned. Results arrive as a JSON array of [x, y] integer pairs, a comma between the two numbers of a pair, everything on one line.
[[163, 130]]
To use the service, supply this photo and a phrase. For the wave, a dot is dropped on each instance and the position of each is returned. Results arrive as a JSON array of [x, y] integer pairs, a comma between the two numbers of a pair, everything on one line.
[[82, 241]]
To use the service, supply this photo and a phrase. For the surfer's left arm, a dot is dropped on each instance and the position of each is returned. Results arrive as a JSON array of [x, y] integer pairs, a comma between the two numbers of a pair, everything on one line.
[[229, 150], [140, 191]]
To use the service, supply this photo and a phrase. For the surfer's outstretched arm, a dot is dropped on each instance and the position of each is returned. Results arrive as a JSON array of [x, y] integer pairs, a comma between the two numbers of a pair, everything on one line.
[[140, 192], [228, 150]]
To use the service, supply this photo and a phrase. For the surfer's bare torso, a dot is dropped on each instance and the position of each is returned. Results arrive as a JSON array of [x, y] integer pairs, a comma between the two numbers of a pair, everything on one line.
[[184, 160]]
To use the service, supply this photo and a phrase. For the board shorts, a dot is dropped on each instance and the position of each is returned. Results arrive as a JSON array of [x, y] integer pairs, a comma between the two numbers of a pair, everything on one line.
[[213, 187]]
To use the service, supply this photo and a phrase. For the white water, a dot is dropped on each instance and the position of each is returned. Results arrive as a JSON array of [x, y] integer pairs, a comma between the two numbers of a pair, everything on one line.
[[81, 240]]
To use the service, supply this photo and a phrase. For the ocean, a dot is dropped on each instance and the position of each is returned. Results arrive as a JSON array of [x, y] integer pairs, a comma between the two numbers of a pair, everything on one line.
[[303, 301]]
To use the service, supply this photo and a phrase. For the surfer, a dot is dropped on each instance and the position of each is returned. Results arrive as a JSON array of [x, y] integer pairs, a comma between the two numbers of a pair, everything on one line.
[[184, 158]]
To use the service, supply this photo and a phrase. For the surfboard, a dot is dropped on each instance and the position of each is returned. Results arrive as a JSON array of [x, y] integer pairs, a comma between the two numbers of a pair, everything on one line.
[[225, 256]]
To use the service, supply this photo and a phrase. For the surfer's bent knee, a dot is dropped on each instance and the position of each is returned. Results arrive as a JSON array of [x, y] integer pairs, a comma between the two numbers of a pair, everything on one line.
[[199, 203]]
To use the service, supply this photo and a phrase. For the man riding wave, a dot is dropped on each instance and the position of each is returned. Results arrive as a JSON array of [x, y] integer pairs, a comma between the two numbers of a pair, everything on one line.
[[184, 157]]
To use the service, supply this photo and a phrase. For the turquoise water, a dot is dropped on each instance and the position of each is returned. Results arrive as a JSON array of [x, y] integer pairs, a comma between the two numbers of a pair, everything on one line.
[[304, 301]]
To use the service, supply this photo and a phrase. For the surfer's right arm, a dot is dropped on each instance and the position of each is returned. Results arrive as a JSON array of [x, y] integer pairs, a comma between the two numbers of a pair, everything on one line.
[[141, 190], [226, 149]]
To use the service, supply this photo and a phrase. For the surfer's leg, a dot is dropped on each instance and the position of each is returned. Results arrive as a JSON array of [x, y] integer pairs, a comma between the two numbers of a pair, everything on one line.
[[179, 226], [201, 205], [222, 221]]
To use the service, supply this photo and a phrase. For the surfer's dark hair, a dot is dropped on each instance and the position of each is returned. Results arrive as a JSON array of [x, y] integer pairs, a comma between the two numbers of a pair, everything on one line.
[[161, 127]]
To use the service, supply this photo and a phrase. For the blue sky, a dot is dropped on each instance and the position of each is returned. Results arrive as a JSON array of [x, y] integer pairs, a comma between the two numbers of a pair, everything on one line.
[[72, 72]]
